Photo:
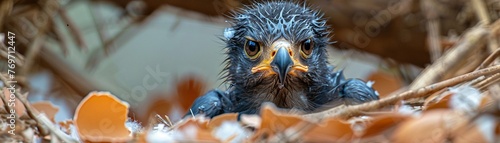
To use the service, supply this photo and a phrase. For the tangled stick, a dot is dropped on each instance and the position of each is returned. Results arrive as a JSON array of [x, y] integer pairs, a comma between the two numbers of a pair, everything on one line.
[[356, 110], [42, 125], [473, 39], [489, 59]]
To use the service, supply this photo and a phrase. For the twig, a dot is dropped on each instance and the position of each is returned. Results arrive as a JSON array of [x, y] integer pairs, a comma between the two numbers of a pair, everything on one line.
[[489, 59], [168, 120], [5, 55], [29, 109], [355, 110], [433, 27], [73, 78], [5, 104], [482, 14], [481, 11], [96, 17], [473, 39], [76, 34], [162, 120], [476, 81], [489, 81], [32, 113], [5, 8], [434, 39], [53, 138], [60, 38], [55, 131], [39, 39], [33, 51], [108, 45]]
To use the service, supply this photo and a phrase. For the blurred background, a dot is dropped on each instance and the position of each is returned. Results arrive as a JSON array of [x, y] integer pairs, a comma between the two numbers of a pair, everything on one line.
[[145, 52]]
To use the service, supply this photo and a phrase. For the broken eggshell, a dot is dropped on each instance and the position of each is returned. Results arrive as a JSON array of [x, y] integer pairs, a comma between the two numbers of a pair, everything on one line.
[[46, 107], [101, 117]]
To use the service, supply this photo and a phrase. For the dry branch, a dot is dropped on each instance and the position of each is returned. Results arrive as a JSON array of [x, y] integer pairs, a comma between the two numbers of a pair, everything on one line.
[[5, 9], [33, 51], [481, 11], [5, 55], [355, 110], [433, 26], [475, 38], [482, 14], [42, 118], [76, 33], [489, 81], [489, 59], [60, 38], [109, 46], [5, 103], [33, 113], [68, 74]]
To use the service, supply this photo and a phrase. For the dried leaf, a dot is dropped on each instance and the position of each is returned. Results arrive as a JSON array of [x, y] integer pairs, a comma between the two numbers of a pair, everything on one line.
[[481, 130], [274, 122], [332, 130], [433, 126], [439, 102], [382, 123]]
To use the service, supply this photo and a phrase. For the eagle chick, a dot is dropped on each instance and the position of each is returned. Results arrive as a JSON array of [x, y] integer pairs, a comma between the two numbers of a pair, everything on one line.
[[276, 53]]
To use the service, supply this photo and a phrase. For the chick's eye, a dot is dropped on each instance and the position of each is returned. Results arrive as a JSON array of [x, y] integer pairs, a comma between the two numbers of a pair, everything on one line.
[[307, 48], [252, 49]]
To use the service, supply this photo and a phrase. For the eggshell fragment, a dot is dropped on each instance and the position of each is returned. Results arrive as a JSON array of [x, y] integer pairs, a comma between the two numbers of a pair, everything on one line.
[[46, 107], [253, 121], [385, 83], [218, 120], [101, 117], [195, 130]]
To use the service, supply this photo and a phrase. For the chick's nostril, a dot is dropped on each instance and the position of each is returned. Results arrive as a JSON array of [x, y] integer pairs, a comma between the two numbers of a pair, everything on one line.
[[273, 53], [290, 52]]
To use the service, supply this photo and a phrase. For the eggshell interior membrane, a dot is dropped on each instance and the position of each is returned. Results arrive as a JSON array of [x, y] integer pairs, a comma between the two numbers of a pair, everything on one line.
[[101, 117]]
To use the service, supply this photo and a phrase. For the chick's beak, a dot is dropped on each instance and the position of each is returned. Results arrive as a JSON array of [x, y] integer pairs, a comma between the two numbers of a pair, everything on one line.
[[282, 63]]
